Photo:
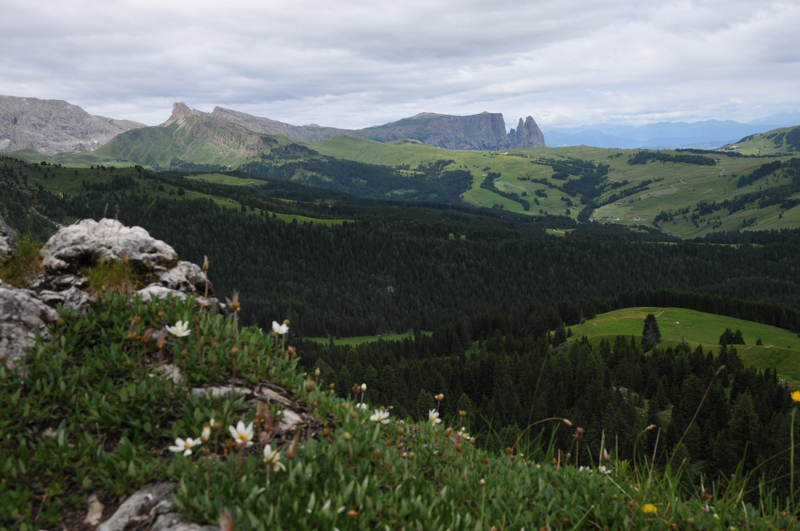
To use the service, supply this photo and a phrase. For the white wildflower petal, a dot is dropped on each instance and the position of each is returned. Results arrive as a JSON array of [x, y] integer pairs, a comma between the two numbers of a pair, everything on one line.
[[433, 416], [243, 435], [273, 458], [180, 446], [381, 417], [181, 329]]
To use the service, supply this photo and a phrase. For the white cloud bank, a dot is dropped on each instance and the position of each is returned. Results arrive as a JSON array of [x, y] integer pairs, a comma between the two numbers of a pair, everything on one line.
[[356, 63]]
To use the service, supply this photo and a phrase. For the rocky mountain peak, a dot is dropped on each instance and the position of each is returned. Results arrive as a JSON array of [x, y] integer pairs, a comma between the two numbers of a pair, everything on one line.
[[180, 111], [527, 134], [54, 126]]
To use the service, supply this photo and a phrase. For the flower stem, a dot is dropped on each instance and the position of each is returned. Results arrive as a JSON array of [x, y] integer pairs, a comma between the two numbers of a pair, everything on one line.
[[791, 454]]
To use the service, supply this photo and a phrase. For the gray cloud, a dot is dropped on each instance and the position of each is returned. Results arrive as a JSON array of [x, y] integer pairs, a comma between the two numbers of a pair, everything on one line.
[[355, 64]]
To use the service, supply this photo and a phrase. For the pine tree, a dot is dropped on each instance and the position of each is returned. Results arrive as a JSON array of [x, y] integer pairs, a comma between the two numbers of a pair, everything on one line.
[[651, 335]]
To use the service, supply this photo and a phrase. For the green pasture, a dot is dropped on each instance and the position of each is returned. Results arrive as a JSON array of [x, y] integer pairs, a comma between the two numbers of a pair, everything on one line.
[[220, 178], [558, 232], [699, 328], [763, 143], [359, 340], [674, 186]]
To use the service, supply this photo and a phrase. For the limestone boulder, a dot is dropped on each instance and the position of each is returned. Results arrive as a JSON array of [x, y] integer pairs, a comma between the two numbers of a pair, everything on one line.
[[22, 314], [186, 277], [79, 245]]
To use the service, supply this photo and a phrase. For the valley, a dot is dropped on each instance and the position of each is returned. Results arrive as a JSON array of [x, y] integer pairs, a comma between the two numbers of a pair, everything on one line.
[[513, 282]]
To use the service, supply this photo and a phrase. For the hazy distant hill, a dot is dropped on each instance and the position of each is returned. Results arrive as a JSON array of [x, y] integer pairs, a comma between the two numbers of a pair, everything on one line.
[[709, 134], [54, 126]]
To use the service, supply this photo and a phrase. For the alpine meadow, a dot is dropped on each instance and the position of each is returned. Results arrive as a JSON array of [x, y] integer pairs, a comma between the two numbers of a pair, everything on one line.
[[228, 322]]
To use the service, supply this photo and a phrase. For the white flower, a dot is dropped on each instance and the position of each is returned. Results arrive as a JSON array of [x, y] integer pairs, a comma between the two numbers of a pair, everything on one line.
[[363, 388], [362, 405], [379, 416], [243, 435], [206, 434], [181, 329], [273, 458], [184, 446], [279, 329], [433, 416], [463, 433]]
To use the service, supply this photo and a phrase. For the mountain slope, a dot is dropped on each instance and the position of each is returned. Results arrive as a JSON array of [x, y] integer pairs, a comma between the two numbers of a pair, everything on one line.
[[782, 141], [54, 126], [188, 136], [485, 131]]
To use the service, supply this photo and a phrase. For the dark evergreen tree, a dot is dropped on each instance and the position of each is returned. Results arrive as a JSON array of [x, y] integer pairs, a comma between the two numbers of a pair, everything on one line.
[[651, 335]]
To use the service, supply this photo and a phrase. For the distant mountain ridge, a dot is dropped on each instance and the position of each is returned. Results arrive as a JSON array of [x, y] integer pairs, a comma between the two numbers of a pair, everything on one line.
[[54, 126], [484, 131], [709, 134]]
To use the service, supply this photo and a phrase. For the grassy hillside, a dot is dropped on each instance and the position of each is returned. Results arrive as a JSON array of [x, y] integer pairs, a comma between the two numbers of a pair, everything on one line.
[[71, 181], [632, 195], [780, 349], [342, 467], [776, 142], [675, 187]]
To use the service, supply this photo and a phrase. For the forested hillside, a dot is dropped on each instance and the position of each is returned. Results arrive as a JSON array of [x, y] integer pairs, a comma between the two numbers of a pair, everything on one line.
[[500, 295], [390, 268], [507, 369]]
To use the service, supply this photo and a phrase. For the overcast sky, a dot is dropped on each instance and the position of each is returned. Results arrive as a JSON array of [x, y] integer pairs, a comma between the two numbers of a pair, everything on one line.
[[360, 63]]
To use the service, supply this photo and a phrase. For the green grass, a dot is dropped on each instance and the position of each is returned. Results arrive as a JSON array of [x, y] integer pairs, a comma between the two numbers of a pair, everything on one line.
[[87, 414], [763, 143], [676, 187], [219, 178], [699, 328], [359, 340]]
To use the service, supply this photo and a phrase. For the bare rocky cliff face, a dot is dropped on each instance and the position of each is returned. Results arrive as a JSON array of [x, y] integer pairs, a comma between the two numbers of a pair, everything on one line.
[[54, 126], [527, 134], [485, 131], [307, 133]]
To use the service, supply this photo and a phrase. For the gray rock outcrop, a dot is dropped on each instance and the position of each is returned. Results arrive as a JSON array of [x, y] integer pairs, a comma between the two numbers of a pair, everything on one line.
[[65, 257], [54, 126], [22, 316], [79, 245], [149, 508], [6, 237]]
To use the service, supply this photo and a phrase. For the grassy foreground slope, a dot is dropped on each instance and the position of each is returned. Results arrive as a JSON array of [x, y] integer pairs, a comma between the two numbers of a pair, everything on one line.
[[91, 415], [780, 349]]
